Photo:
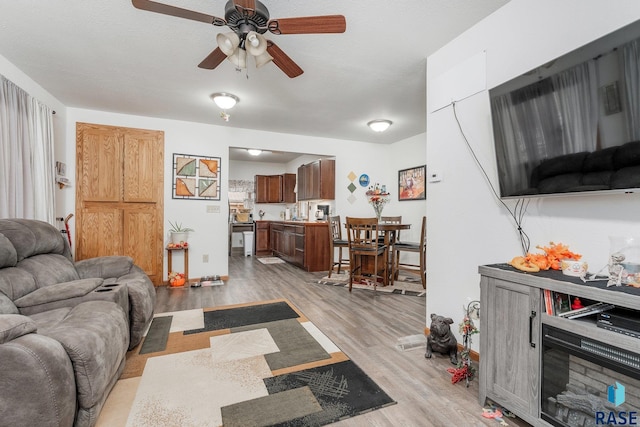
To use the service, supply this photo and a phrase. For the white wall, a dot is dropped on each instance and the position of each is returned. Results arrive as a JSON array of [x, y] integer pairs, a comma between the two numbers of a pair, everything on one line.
[[406, 154], [467, 226]]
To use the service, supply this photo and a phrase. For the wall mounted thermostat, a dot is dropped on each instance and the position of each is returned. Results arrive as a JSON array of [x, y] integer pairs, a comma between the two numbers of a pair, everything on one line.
[[434, 177]]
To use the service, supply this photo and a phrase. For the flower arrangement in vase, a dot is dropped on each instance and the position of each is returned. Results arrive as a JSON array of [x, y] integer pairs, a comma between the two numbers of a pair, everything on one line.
[[378, 197]]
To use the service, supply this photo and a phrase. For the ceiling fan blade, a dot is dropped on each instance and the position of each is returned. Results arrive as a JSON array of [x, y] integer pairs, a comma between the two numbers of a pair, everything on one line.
[[213, 59], [165, 9], [245, 7], [308, 25], [282, 61]]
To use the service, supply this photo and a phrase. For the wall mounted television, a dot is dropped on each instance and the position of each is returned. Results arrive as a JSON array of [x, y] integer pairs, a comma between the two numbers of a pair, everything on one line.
[[572, 125]]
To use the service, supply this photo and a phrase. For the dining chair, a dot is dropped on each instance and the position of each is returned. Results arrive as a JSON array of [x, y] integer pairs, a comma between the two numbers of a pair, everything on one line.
[[368, 258], [336, 241], [392, 253], [414, 247], [392, 220]]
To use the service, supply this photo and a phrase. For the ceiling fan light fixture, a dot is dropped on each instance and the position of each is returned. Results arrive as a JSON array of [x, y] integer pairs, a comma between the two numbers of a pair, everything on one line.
[[228, 42], [254, 151], [379, 125], [224, 100], [248, 20], [263, 59], [256, 45], [239, 58]]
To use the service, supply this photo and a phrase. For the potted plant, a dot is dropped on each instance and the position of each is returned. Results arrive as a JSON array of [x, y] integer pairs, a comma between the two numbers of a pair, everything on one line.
[[179, 234]]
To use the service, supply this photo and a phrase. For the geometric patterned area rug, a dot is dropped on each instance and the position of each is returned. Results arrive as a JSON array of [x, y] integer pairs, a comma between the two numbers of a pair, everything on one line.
[[257, 364], [403, 285]]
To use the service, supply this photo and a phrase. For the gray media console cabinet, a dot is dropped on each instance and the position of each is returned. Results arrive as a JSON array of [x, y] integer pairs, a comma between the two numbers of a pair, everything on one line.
[[513, 316]]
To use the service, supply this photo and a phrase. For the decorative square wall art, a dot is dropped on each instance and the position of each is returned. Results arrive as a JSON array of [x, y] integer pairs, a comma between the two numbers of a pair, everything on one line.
[[196, 177], [411, 183]]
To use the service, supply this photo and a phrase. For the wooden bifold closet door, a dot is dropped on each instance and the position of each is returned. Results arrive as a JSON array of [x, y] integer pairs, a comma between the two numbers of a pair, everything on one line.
[[119, 195]]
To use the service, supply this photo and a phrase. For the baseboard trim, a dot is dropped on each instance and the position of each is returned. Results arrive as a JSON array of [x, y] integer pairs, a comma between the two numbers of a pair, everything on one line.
[[474, 355], [194, 280]]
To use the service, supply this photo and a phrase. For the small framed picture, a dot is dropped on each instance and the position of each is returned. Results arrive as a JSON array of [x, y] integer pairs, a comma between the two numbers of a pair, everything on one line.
[[562, 303], [411, 183], [611, 97], [61, 169]]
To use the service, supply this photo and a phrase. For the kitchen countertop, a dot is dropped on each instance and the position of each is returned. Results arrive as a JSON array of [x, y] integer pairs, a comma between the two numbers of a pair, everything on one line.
[[301, 222]]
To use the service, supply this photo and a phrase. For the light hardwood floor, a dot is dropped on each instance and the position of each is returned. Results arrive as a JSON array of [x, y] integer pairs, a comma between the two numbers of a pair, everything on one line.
[[365, 326]]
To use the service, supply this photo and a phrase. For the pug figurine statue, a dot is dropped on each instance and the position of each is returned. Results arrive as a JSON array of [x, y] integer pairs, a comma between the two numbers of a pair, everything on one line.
[[441, 339]]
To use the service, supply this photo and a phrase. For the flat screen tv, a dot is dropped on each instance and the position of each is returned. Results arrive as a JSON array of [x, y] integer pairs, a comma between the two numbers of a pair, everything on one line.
[[572, 125]]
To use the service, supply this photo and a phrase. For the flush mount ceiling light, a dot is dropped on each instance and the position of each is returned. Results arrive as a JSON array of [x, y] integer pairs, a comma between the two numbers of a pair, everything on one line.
[[379, 125], [254, 151], [224, 100]]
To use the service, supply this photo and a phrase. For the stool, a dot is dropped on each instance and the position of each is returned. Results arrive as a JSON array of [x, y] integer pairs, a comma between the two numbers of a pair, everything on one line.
[[186, 262]]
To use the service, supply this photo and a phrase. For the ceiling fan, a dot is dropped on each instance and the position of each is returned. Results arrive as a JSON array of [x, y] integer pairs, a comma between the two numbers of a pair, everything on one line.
[[248, 21]]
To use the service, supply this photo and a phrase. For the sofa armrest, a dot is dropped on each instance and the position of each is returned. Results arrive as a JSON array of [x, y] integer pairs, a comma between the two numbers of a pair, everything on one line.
[[37, 382], [13, 326], [104, 267], [66, 294]]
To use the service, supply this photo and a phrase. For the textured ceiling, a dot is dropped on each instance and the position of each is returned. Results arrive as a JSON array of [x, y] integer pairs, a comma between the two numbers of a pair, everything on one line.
[[107, 55]]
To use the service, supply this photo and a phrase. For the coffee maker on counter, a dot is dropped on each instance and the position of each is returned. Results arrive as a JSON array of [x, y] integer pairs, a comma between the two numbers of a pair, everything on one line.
[[322, 212]]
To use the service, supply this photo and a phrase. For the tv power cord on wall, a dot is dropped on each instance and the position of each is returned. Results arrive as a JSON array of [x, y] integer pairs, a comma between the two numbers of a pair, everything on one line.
[[520, 209]]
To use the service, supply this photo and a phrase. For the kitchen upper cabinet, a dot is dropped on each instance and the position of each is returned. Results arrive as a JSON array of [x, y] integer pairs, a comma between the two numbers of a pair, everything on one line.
[[275, 188], [288, 188], [317, 180]]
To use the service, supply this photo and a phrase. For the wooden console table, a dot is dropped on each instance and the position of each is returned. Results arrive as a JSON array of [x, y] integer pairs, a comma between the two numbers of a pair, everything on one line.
[[170, 252]]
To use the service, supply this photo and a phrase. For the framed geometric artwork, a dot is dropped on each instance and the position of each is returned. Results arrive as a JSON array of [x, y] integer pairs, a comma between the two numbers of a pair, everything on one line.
[[196, 177]]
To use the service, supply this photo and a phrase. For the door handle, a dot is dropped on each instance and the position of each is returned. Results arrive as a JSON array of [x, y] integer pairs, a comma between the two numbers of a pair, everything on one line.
[[531, 317]]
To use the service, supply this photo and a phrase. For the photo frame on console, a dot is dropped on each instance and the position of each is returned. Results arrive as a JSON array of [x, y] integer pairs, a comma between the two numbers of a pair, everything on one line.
[[195, 177], [411, 183]]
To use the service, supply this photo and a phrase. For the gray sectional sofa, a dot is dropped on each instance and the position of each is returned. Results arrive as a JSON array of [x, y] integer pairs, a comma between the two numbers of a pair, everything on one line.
[[65, 326]]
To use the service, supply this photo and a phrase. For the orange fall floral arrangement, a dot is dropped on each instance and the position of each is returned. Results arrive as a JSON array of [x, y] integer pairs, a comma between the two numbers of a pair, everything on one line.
[[176, 279], [550, 259]]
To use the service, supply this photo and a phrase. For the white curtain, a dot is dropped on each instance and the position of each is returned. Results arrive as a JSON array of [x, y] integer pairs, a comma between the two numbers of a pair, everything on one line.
[[27, 184], [631, 72]]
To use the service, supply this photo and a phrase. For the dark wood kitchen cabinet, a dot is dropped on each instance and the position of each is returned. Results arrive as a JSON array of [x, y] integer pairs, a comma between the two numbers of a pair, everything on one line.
[[263, 239], [317, 180], [288, 188], [275, 188], [304, 244]]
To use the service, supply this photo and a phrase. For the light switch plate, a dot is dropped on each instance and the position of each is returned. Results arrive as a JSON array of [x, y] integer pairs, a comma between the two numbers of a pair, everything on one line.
[[213, 209]]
